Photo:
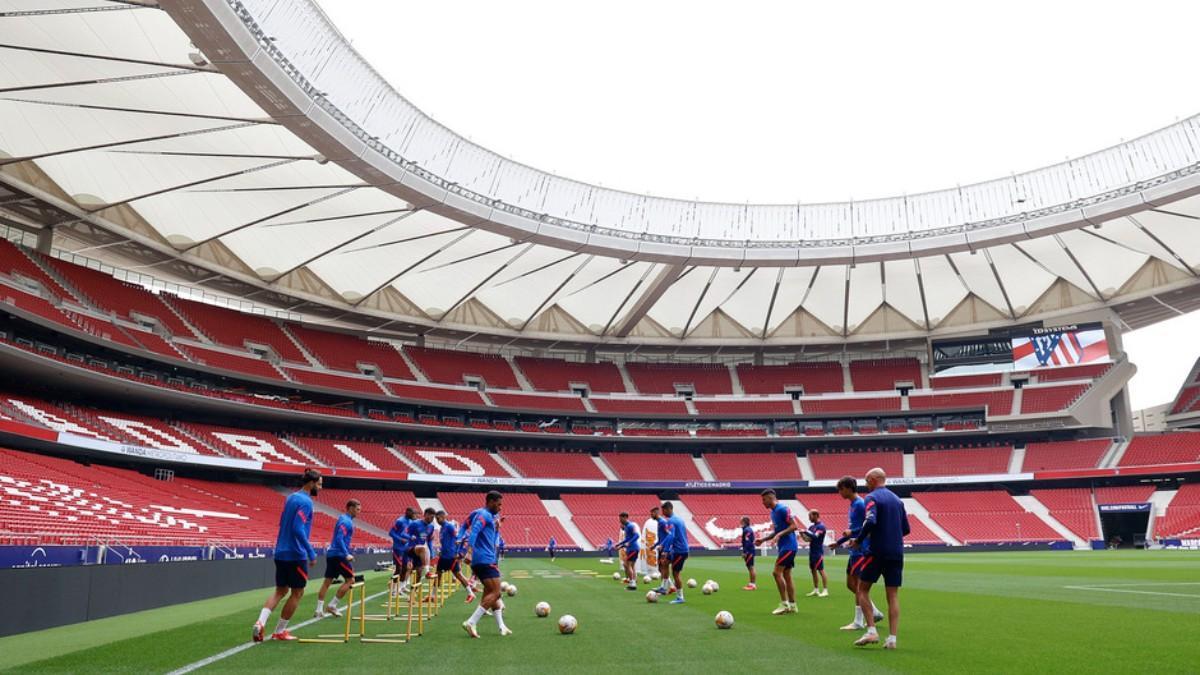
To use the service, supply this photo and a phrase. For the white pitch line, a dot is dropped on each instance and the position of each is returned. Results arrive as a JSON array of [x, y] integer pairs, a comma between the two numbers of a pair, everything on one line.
[[1125, 590], [247, 645]]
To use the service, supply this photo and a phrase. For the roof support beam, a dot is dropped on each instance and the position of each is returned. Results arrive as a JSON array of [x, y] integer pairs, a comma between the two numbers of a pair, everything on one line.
[[132, 141], [662, 281]]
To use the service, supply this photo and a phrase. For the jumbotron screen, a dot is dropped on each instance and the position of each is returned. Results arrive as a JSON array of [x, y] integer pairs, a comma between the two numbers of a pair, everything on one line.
[[1059, 346]]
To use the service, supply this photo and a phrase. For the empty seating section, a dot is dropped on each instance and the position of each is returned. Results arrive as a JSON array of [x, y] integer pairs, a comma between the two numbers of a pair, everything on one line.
[[259, 446], [317, 378], [266, 503], [720, 516], [996, 402], [543, 464], [883, 374], [155, 343], [236, 329], [452, 461], [247, 365], [1182, 518], [963, 461], [557, 375], [458, 395], [834, 513], [340, 351], [1073, 508], [753, 466], [704, 379], [1175, 448], [35, 304], [451, 367], [15, 260], [744, 407], [101, 328], [526, 522], [1065, 454], [837, 464], [1125, 494], [1050, 399], [353, 454], [1186, 400], [985, 516], [596, 515], [643, 406], [1088, 371], [849, 405], [537, 402], [380, 508], [652, 466], [980, 380], [121, 298], [822, 377]]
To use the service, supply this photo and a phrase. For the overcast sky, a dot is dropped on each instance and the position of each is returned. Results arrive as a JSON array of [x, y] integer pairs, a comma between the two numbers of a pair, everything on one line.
[[789, 101]]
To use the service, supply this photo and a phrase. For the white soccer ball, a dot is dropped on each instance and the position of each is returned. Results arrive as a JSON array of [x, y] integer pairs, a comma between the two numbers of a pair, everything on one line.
[[567, 624], [616, 576], [511, 590], [706, 589], [724, 620], [503, 586], [541, 609], [656, 576], [651, 597], [646, 579], [715, 586], [691, 583]]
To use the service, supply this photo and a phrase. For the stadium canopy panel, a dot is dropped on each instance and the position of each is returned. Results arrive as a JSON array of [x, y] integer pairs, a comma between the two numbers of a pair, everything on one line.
[[246, 145]]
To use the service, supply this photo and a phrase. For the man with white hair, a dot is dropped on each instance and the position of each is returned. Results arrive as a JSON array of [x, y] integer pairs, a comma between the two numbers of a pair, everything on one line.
[[883, 530]]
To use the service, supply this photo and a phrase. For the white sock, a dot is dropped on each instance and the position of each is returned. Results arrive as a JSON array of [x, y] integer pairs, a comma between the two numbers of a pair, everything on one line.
[[321, 605], [263, 615], [332, 603], [281, 626], [858, 616], [499, 618], [891, 639], [476, 615], [871, 631], [875, 609]]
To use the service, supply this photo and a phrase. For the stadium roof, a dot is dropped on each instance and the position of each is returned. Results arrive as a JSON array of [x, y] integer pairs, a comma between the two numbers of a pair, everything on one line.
[[247, 146]]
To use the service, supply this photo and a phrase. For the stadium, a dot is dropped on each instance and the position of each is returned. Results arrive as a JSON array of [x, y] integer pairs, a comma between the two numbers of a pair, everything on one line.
[[235, 254]]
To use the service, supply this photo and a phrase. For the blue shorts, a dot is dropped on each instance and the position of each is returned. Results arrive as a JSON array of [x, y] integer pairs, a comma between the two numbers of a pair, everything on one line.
[[677, 561], [852, 563], [336, 566], [786, 559], [891, 569], [291, 573], [485, 571], [748, 558], [632, 554], [447, 565], [816, 564]]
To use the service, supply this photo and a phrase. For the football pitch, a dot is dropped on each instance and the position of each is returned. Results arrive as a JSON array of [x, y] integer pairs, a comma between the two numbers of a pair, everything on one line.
[[1124, 611]]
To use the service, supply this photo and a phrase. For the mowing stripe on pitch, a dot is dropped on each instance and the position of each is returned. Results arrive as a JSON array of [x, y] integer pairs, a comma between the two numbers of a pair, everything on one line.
[[1109, 588], [247, 645]]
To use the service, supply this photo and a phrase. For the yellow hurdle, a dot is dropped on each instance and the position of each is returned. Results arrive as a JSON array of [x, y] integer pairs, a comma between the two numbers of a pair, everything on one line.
[[331, 638]]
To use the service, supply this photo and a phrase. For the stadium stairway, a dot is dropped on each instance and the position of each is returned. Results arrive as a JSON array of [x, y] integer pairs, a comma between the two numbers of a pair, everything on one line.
[[604, 468], [693, 527], [702, 466], [910, 465], [1032, 505], [1017, 459], [806, 471], [917, 510], [559, 510], [1113, 456], [429, 503]]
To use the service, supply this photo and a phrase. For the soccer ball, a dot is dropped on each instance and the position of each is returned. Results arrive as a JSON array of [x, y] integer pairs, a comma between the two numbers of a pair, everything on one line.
[[646, 579], [715, 586], [567, 624], [651, 597], [707, 589], [511, 590], [691, 583], [503, 586], [541, 609], [616, 576], [724, 620], [656, 576]]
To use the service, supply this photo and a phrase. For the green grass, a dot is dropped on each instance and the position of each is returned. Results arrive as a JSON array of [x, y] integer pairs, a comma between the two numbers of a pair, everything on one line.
[[962, 612]]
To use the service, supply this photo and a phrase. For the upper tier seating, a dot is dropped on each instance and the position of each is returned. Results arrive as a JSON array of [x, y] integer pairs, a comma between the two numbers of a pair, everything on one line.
[[996, 402], [525, 521], [704, 379], [963, 462], [964, 381], [720, 516], [815, 377], [826, 465], [319, 378], [1176, 448], [240, 363], [1087, 371], [455, 395], [544, 464], [352, 454], [557, 375], [236, 329], [123, 299], [1073, 508], [652, 466], [634, 407], [451, 367], [883, 374], [747, 406], [260, 446], [537, 402], [1182, 518], [452, 461], [1186, 400], [753, 465], [1050, 399], [850, 405], [14, 260], [341, 351], [1065, 454], [985, 516]]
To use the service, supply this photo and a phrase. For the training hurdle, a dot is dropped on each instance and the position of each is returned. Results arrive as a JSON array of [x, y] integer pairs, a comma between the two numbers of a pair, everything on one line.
[[331, 638]]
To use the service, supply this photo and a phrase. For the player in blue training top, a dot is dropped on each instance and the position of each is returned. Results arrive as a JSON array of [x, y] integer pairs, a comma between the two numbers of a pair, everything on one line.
[[608, 547], [448, 554], [674, 545], [630, 538], [661, 561], [884, 529], [847, 487], [399, 535], [339, 562], [783, 535], [815, 536], [748, 554], [552, 548], [293, 556], [420, 542], [482, 547]]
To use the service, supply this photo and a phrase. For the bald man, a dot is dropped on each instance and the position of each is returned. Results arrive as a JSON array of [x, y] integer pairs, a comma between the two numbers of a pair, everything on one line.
[[882, 534]]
